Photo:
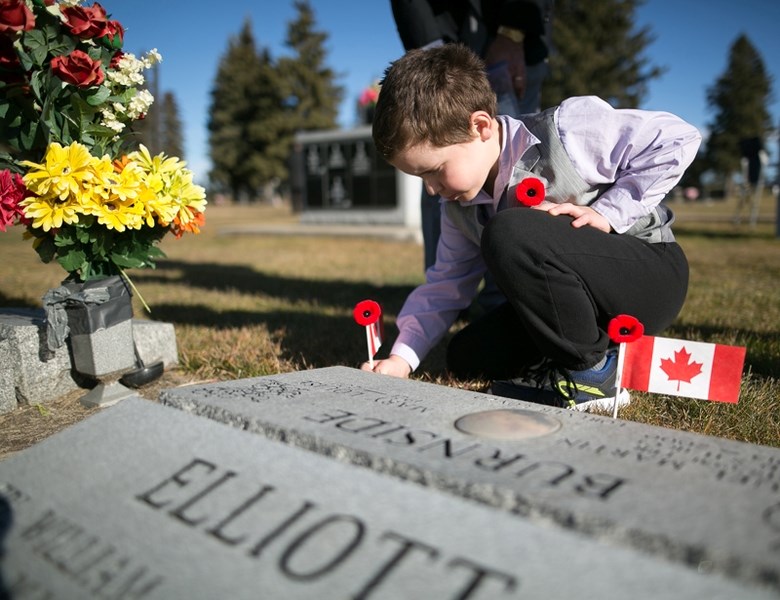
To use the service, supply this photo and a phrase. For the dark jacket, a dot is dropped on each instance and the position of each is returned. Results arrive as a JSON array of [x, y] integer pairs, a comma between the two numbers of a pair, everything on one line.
[[474, 23]]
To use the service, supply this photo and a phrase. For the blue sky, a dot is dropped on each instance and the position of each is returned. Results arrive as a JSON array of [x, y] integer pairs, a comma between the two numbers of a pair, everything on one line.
[[693, 38]]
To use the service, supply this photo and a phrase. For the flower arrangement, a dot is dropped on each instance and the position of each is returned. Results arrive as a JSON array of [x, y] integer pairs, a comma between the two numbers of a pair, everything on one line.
[[367, 102], [68, 98], [370, 95]]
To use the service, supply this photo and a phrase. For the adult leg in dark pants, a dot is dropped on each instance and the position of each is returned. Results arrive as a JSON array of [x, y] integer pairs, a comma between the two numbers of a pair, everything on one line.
[[563, 286]]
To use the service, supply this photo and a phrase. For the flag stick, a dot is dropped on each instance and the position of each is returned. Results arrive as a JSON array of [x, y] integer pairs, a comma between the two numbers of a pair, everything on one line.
[[618, 377], [368, 345]]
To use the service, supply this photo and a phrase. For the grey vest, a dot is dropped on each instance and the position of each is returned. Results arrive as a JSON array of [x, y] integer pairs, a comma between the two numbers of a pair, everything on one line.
[[549, 160]]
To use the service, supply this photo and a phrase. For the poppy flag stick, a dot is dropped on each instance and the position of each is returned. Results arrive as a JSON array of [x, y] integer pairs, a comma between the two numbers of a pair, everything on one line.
[[619, 378], [623, 329], [369, 314]]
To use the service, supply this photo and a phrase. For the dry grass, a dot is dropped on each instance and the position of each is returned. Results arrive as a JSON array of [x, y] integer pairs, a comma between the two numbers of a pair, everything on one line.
[[248, 305]]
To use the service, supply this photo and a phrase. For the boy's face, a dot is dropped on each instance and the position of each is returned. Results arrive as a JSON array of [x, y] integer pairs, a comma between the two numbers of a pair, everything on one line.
[[457, 172]]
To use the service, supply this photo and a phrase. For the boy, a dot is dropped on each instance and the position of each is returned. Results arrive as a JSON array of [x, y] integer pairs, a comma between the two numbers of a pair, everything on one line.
[[599, 245]]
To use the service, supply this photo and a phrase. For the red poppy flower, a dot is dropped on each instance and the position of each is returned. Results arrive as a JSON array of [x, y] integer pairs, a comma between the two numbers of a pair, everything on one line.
[[625, 328], [530, 191], [367, 312]]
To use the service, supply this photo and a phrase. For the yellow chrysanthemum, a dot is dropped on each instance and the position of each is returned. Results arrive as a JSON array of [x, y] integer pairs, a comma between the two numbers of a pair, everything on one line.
[[65, 172], [49, 212], [189, 197], [118, 214], [159, 164], [113, 197], [152, 207], [171, 186]]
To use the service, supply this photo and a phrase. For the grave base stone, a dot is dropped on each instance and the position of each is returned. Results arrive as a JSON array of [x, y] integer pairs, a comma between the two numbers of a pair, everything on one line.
[[32, 374], [707, 503], [144, 501]]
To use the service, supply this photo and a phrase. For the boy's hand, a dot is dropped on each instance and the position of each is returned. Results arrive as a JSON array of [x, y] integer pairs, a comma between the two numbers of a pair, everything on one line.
[[395, 366], [583, 215]]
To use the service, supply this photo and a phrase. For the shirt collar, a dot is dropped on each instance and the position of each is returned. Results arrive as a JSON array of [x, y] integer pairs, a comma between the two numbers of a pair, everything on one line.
[[516, 139]]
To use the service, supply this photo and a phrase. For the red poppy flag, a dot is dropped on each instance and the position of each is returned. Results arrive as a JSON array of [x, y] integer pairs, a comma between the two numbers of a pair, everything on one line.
[[684, 368], [374, 337], [369, 314]]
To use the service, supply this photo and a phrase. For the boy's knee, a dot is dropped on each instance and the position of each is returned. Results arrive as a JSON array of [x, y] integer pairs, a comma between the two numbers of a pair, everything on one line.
[[511, 234], [514, 226], [524, 232]]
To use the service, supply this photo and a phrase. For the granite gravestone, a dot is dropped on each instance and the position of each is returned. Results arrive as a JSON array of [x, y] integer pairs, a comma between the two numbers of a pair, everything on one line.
[[708, 503], [142, 501]]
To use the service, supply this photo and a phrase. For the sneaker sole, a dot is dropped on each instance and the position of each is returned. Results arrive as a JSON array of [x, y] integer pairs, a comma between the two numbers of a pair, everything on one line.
[[623, 399], [550, 398]]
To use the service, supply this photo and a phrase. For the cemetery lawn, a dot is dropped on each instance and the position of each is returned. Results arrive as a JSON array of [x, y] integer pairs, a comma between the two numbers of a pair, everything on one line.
[[246, 303]]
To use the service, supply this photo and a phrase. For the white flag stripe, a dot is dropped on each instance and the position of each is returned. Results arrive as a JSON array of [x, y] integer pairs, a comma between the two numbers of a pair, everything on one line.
[[688, 368]]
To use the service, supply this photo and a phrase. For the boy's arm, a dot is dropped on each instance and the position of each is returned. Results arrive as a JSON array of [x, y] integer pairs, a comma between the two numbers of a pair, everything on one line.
[[643, 154], [450, 286]]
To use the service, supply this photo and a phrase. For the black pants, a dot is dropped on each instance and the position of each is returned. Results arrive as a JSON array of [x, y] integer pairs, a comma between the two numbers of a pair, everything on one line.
[[563, 286]]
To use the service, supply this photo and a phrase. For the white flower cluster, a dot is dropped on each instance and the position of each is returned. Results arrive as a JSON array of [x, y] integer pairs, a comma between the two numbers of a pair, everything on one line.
[[55, 8], [129, 74], [129, 68]]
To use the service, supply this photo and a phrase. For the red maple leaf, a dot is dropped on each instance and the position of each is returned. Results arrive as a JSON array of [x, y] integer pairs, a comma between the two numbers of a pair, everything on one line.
[[682, 368]]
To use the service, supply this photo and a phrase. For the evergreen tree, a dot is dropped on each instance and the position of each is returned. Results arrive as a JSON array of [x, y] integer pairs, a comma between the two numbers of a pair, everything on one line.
[[311, 94], [258, 106], [739, 100], [234, 108], [598, 51], [171, 138], [270, 131]]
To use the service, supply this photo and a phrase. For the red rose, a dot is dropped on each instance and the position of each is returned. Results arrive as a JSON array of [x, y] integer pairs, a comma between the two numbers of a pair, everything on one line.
[[78, 68], [114, 64], [530, 191], [12, 191], [115, 35], [625, 328], [15, 16], [86, 22]]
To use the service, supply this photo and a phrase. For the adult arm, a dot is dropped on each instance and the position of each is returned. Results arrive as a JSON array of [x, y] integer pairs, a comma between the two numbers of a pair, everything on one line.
[[416, 23]]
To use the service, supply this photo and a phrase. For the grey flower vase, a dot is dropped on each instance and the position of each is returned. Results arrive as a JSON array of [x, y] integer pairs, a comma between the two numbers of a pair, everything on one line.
[[100, 314], [96, 316]]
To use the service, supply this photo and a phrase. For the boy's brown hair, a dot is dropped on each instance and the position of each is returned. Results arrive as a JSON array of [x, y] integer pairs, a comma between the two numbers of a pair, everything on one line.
[[429, 96]]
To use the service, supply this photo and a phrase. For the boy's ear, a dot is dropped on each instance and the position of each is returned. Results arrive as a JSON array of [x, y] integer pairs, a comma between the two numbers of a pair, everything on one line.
[[481, 124]]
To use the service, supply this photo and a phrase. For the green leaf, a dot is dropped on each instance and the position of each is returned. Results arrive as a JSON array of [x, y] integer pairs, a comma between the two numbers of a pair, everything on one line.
[[39, 55], [37, 83], [127, 262], [99, 96], [46, 249], [72, 260], [26, 60], [34, 38], [27, 136]]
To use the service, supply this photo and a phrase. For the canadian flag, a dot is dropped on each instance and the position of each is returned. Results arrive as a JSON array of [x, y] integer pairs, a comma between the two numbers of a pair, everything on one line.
[[683, 368]]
